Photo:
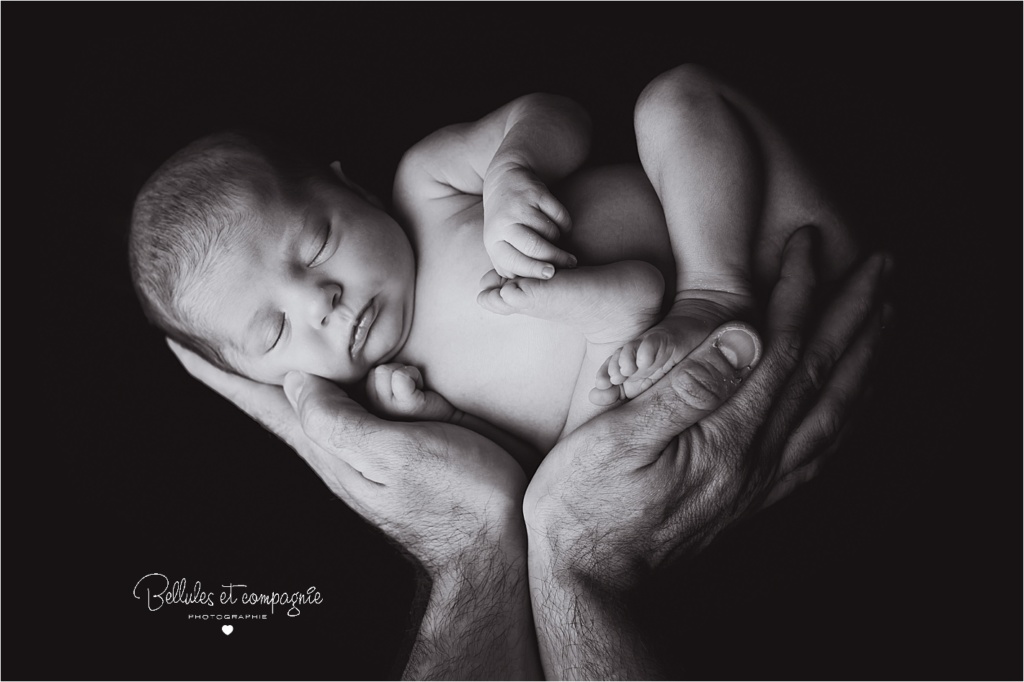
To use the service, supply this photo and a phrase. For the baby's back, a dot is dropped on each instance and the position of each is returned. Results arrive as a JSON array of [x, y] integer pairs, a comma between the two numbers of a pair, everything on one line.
[[520, 372]]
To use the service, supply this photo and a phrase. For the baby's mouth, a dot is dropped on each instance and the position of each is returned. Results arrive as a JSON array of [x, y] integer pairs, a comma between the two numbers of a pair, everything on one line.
[[361, 328]]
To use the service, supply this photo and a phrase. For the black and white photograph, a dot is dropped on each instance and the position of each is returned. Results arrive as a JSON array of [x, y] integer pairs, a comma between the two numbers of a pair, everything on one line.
[[512, 341]]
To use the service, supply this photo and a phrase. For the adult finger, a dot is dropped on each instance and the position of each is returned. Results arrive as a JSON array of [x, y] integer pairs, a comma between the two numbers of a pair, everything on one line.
[[339, 425], [746, 415], [269, 406], [836, 402], [694, 388], [264, 403], [837, 330]]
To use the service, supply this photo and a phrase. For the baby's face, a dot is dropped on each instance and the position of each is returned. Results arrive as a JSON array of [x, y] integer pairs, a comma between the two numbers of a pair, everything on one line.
[[324, 285]]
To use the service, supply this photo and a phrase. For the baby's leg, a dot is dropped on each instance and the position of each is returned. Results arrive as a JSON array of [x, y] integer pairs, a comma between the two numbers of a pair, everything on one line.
[[721, 167], [732, 190], [609, 304]]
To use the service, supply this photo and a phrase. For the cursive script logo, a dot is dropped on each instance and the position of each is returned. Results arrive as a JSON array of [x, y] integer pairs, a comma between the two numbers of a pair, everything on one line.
[[158, 591]]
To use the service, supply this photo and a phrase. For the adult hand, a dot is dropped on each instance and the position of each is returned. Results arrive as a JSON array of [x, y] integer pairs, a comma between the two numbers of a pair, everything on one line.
[[664, 474], [450, 497]]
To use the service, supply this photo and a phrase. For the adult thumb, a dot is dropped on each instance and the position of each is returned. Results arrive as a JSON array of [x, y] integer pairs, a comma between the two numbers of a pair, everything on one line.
[[330, 418], [693, 389]]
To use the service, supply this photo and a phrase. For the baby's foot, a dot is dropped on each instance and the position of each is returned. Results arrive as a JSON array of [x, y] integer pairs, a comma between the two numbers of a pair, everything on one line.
[[608, 303], [396, 390], [637, 365]]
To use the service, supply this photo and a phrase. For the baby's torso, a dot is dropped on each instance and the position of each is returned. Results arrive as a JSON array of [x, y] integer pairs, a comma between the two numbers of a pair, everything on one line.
[[519, 372]]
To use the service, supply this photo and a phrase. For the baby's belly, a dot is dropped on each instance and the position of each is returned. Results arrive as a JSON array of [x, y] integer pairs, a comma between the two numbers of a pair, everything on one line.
[[516, 372]]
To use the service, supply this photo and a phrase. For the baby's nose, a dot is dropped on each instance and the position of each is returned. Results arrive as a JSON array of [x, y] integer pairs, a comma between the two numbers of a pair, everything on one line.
[[326, 303]]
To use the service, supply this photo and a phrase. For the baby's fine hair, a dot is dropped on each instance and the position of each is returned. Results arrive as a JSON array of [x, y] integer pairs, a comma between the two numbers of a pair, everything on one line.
[[192, 202]]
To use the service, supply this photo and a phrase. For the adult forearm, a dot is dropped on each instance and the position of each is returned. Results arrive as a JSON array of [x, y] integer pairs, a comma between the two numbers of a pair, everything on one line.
[[477, 624], [585, 632]]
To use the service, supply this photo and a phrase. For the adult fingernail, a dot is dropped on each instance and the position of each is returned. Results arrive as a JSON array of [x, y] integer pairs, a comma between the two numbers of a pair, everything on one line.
[[739, 347], [548, 272], [572, 261], [888, 316], [293, 382], [888, 265]]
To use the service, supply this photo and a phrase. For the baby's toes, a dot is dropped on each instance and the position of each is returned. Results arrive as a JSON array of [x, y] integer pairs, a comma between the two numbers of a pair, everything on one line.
[[653, 350], [627, 360], [606, 396], [614, 368], [519, 293], [604, 379], [656, 362]]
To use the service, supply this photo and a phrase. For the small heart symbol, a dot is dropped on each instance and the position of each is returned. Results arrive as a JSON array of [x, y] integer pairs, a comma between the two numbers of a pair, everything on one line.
[[227, 629]]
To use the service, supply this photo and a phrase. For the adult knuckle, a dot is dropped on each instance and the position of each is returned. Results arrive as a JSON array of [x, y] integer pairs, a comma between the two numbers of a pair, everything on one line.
[[697, 386], [829, 423], [314, 424], [788, 345], [817, 364]]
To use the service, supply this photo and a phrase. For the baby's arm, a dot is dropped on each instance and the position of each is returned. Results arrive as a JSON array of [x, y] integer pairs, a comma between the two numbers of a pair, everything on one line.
[[397, 391], [507, 158]]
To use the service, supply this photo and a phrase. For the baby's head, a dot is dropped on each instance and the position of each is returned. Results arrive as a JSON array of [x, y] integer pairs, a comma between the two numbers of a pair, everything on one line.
[[264, 263]]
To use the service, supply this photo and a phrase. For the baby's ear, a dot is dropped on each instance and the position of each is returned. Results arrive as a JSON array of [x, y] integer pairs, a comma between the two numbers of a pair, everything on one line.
[[336, 168]]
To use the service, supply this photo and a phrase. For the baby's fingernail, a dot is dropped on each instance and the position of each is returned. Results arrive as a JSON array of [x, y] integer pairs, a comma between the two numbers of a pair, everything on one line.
[[739, 346], [293, 382], [572, 261], [548, 272]]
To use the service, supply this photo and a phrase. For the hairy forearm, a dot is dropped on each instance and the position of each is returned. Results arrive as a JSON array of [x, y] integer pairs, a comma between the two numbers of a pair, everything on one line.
[[585, 632], [477, 623]]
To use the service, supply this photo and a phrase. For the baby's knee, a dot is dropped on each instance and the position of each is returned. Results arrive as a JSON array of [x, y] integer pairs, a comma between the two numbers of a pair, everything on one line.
[[677, 91]]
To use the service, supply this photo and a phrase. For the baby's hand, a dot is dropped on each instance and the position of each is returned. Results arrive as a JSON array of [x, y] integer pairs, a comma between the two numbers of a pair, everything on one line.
[[396, 390], [521, 220]]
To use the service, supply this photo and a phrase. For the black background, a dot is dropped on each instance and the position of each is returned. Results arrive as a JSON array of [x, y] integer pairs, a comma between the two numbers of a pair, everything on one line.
[[900, 563]]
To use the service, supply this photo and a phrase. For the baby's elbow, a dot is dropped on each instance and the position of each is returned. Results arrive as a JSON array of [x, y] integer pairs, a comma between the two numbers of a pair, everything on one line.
[[566, 109]]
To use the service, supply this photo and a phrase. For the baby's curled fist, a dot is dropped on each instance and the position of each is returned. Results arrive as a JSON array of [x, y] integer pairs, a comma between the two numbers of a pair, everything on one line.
[[396, 390]]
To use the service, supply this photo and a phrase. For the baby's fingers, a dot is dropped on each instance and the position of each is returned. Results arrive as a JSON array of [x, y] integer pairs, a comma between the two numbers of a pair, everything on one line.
[[378, 385], [403, 385], [555, 211], [530, 240], [413, 372], [536, 259]]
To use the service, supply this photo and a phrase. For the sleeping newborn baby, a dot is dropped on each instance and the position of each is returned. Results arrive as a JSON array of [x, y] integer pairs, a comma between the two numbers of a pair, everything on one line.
[[265, 263]]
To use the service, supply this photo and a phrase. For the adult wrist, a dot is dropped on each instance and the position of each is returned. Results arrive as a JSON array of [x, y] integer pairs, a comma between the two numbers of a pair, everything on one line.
[[579, 561], [499, 543]]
